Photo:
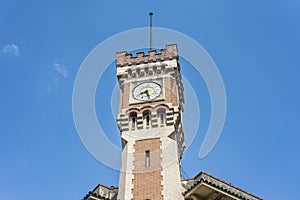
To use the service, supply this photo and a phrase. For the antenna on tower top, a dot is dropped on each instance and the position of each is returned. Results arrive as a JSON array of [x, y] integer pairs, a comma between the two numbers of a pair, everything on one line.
[[150, 14]]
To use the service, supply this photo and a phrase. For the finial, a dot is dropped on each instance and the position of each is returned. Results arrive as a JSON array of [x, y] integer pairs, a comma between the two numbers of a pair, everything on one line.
[[150, 14]]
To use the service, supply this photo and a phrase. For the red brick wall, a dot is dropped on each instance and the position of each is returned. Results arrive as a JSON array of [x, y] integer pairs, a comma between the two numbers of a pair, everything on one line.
[[147, 181], [170, 90]]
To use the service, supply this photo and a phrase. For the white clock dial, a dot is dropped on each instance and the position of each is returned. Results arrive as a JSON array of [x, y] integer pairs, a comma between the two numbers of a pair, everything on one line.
[[146, 91]]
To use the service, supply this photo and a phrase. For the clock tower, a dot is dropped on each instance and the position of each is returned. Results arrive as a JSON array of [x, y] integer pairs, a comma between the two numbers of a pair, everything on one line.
[[150, 123]]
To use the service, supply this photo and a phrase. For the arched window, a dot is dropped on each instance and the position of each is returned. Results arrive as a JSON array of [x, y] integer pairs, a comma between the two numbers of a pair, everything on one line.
[[146, 118], [154, 69], [129, 72], [132, 120], [138, 71], [163, 67], [146, 71], [147, 161], [161, 114]]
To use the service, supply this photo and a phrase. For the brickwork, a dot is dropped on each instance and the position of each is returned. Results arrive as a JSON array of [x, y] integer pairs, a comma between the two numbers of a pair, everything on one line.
[[147, 180], [126, 95], [169, 89]]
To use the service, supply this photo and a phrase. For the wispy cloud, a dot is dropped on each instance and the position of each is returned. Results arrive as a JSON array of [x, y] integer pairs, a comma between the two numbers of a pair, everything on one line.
[[11, 49], [52, 84], [61, 68], [61, 72]]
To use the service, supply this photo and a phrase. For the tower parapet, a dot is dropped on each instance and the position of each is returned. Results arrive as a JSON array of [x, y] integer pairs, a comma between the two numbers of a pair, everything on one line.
[[126, 59]]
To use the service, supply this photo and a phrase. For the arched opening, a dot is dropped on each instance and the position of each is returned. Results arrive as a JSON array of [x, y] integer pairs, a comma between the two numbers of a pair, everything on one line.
[[129, 72], [147, 160], [146, 71], [163, 67], [132, 120], [146, 118], [161, 114], [154, 69]]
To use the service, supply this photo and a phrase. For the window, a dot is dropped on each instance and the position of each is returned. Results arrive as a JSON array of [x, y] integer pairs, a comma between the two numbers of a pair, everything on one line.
[[146, 70], [154, 69], [132, 122], [161, 117], [146, 118], [147, 161]]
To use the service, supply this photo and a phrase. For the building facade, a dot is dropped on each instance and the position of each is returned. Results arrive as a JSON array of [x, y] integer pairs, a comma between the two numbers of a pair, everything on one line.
[[150, 123]]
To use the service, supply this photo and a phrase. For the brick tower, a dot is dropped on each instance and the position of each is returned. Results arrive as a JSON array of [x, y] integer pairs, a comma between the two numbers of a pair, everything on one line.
[[150, 123]]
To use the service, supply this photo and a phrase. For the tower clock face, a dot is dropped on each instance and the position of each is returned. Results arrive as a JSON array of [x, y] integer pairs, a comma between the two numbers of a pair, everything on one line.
[[147, 91]]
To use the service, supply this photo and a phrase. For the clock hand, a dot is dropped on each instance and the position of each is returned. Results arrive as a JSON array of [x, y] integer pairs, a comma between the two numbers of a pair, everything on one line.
[[147, 92], [142, 92]]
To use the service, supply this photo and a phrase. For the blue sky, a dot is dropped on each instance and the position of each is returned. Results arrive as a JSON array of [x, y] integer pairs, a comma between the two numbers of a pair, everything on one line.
[[255, 45]]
